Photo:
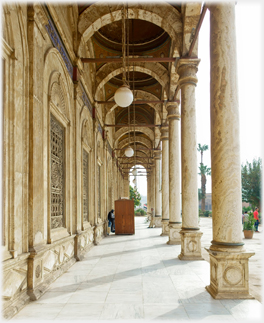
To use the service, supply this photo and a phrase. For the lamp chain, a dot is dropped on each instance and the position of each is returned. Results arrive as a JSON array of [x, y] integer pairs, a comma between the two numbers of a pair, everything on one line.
[[123, 43]]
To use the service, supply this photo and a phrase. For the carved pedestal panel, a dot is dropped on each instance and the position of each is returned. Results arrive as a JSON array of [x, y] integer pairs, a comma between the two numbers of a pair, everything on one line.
[[229, 275], [83, 242], [47, 263], [174, 234], [191, 245], [14, 287], [165, 228], [157, 221]]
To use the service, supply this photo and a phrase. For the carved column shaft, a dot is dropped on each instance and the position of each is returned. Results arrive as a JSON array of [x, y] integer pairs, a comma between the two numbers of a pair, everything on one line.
[[165, 180], [157, 184], [126, 185], [190, 233], [228, 261], [174, 174]]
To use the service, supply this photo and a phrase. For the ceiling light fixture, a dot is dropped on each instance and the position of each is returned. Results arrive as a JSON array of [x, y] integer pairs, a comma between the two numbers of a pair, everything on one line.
[[123, 96]]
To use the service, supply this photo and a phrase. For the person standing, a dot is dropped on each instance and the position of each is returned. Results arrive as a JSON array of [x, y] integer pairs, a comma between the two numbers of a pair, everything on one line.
[[256, 219], [111, 220]]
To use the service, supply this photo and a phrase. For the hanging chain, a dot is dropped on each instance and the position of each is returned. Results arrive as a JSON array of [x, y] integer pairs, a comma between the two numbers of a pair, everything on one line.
[[134, 109], [124, 42], [127, 41]]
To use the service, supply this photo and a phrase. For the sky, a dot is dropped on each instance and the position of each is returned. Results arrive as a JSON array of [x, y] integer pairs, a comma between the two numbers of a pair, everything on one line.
[[249, 33]]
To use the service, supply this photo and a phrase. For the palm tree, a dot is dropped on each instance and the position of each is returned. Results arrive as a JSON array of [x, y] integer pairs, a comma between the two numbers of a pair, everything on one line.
[[202, 149], [203, 172]]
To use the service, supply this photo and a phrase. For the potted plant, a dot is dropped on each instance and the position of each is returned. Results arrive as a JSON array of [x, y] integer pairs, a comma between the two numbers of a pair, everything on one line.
[[248, 226]]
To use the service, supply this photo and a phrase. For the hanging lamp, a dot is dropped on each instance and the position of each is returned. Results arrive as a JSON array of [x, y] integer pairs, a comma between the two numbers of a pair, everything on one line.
[[124, 96], [129, 152], [134, 172]]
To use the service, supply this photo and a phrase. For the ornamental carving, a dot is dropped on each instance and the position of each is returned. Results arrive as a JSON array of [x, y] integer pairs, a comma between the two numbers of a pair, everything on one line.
[[37, 271], [233, 275], [57, 173], [86, 133], [192, 246], [57, 97]]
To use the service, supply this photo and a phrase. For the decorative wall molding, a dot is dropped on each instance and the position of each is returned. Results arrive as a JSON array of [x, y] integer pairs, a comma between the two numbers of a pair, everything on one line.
[[57, 43]]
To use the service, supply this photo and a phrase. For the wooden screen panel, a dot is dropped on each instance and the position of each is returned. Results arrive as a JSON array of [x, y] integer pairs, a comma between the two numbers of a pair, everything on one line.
[[124, 217]]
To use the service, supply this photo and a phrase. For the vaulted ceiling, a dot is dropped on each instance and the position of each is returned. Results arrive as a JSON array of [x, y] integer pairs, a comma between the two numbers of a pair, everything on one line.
[[156, 30]]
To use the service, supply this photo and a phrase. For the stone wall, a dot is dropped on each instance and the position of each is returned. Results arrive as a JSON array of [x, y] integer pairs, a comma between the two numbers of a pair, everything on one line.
[[39, 85]]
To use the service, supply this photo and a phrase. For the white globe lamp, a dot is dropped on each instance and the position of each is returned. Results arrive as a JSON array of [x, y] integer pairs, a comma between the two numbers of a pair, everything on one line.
[[134, 172], [129, 152], [123, 96]]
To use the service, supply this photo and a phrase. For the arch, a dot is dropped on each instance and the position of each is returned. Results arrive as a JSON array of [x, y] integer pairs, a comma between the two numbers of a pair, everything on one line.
[[142, 140], [139, 94], [86, 133], [57, 93], [53, 63], [101, 14], [125, 130], [108, 71]]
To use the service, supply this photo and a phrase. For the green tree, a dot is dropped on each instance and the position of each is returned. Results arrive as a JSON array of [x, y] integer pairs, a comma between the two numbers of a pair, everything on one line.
[[202, 149], [134, 194], [204, 170], [251, 182]]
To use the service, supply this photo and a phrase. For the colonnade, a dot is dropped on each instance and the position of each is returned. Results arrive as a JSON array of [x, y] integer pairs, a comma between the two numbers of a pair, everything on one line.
[[228, 258]]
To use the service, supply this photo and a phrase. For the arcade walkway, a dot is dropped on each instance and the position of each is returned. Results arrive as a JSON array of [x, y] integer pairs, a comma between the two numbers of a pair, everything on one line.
[[137, 277]]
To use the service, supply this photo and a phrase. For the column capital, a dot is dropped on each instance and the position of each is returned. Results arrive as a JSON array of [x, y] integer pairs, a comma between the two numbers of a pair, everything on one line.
[[164, 132], [157, 154], [173, 110], [126, 176], [187, 69]]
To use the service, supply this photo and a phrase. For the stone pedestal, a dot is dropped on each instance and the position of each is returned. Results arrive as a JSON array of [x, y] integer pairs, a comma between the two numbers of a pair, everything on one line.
[[156, 222], [174, 234], [190, 245], [165, 227], [229, 275]]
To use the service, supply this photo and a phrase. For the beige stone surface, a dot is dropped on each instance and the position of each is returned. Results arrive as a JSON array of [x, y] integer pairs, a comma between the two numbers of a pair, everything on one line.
[[165, 180], [38, 62], [174, 174]]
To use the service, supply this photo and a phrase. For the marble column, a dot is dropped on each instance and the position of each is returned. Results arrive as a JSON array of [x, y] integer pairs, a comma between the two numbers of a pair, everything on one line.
[[228, 258], [126, 186], [174, 173], [152, 195], [190, 233], [165, 180], [157, 219]]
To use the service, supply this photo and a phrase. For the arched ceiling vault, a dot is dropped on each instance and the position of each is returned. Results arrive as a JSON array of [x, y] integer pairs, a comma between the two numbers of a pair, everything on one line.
[[156, 30]]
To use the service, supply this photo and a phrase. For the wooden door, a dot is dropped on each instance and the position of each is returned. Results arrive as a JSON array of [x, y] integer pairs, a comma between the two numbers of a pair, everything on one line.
[[124, 217]]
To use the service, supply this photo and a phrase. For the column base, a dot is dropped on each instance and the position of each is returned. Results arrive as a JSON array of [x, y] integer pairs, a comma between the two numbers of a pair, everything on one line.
[[165, 228], [229, 278], [157, 221], [190, 245], [174, 234]]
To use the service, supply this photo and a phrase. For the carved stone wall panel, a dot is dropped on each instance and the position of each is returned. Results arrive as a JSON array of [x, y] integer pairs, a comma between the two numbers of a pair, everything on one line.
[[84, 242], [14, 287]]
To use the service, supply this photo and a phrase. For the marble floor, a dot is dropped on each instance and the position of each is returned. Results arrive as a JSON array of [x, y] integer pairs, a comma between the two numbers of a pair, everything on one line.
[[137, 276]]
